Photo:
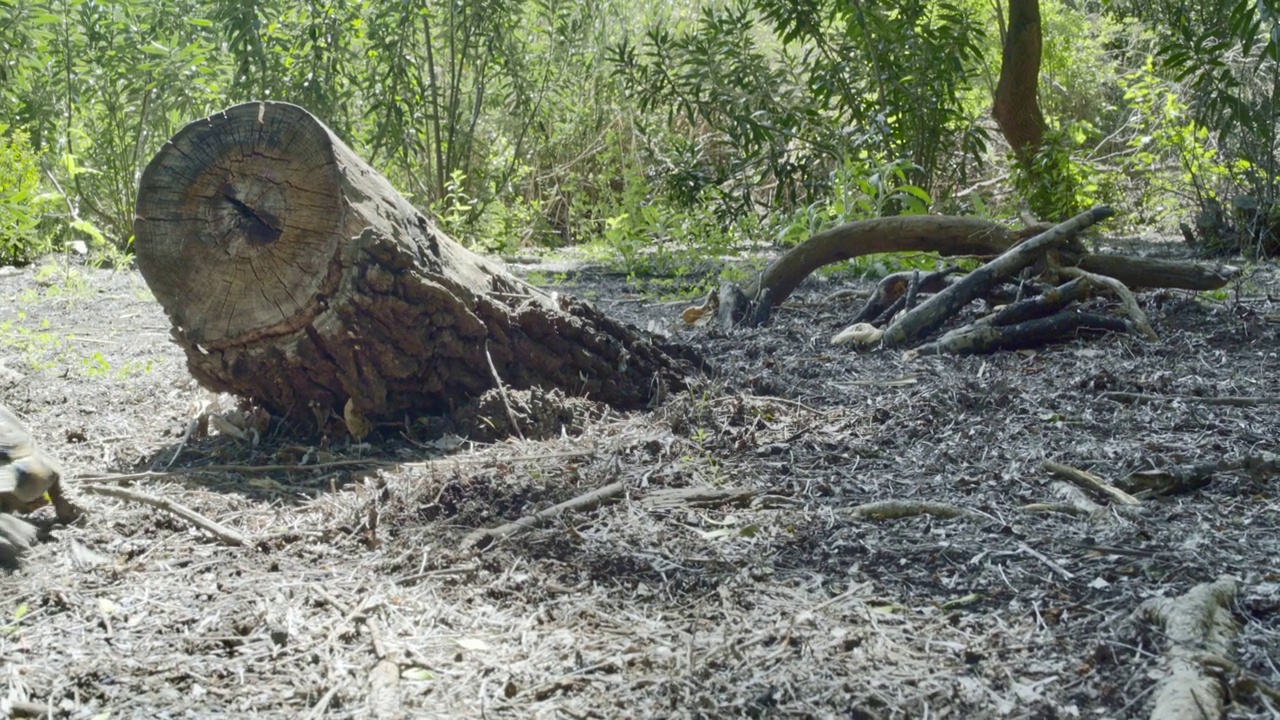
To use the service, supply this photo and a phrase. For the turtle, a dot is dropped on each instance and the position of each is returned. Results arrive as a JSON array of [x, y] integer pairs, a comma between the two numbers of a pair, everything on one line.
[[27, 476]]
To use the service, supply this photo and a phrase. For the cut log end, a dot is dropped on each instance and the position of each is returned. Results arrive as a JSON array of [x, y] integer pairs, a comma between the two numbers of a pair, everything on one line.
[[238, 220], [297, 277]]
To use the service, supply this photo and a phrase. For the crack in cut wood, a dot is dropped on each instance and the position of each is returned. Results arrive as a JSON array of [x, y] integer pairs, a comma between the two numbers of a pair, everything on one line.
[[263, 228]]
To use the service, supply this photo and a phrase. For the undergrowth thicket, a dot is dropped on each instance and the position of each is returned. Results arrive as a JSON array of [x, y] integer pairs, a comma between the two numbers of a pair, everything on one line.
[[660, 136]]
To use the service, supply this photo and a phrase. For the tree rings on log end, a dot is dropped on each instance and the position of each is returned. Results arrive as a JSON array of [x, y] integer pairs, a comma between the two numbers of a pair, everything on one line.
[[238, 221]]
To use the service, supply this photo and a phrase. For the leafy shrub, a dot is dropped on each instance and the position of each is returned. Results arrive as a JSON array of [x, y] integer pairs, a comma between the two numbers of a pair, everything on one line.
[[1174, 161], [1058, 182], [859, 191], [21, 203], [1229, 57]]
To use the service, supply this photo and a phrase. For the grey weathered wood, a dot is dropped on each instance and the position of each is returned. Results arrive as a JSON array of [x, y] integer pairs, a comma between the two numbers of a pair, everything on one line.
[[912, 326], [295, 275], [984, 337]]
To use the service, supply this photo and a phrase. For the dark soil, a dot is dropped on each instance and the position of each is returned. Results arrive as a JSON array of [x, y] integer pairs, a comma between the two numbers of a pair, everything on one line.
[[354, 596]]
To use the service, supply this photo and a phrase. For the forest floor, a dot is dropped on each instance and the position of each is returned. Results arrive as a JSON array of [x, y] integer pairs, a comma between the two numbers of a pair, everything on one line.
[[735, 577]]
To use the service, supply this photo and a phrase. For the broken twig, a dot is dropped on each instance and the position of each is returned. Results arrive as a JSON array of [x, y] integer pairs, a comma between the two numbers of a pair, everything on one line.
[[484, 537], [226, 535]]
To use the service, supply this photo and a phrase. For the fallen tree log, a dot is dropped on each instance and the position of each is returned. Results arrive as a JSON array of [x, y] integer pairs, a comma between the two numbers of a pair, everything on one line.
[[297, 277], [947, 236], [1138, 272], [950, 237]]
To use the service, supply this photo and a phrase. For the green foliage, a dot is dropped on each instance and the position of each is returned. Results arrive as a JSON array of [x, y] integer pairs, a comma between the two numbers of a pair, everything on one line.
[[723, 116], [644, 234], [660, 135], [920, 54], [39, 347], [860, 191], [1174, 161], [21, 203], [1230, 62], [761, 121], [1056, 182], [1083, 59]]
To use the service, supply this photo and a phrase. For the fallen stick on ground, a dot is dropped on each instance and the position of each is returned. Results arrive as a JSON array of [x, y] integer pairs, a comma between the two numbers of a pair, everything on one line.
[[1128, 397], [1074, 502], [484, 537], [1066, 574], [1090, 482], [369, 463], [1197, 626], [898, 509], [226, 535], [702, 496]]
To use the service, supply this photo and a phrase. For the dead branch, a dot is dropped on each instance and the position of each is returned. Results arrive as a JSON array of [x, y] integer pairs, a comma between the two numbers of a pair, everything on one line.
[[1127, 300], [1196, 625], [948, 236], [933, 312], [898, 509], [1090, 482], [1138, 272], [1245, 682], [1172, 480], [667, 498], [1074, 502], [983, 337], [1060, 508], [897, 286], [1049, 563], [225, 534], [1044, 304], [484, 537], [1237, 401]]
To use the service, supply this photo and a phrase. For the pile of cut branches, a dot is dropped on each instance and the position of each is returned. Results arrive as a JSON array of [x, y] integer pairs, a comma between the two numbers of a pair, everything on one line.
[[1037, 281]]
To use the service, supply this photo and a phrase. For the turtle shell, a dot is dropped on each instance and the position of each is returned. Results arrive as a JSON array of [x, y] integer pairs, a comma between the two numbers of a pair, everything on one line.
[[26, 473], [16, 535]]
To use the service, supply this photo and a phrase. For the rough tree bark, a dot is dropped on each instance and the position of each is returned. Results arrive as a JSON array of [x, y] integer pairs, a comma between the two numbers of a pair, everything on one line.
[[296, 276], [1015, 106]]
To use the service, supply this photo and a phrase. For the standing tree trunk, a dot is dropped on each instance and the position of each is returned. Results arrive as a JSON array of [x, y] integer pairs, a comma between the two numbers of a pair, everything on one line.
[[297, 277], [1015, 106]]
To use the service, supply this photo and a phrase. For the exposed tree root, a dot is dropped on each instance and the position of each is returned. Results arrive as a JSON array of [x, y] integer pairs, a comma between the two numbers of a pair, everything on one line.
[[1198, 626]]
